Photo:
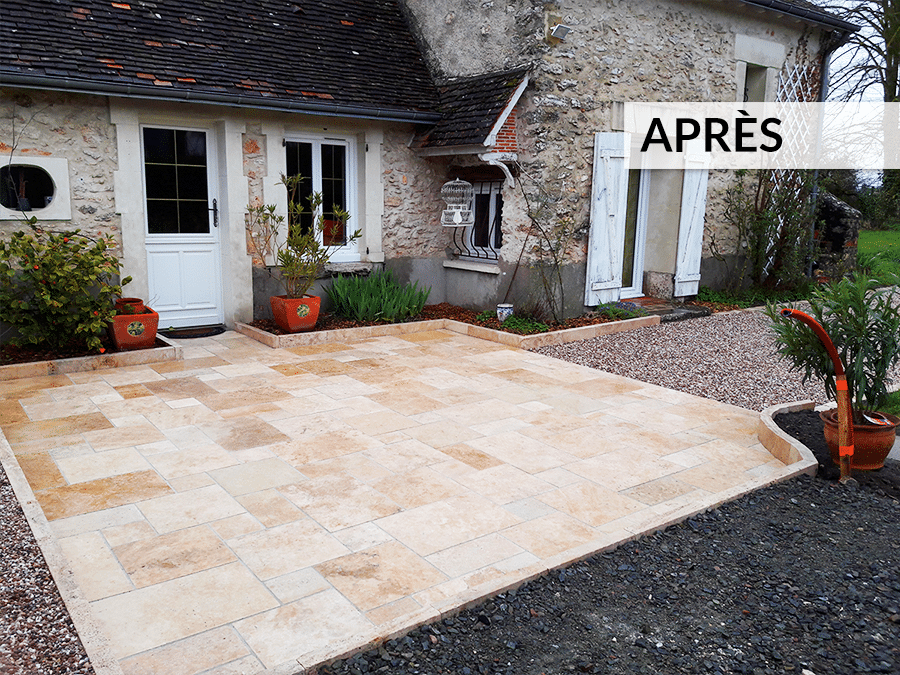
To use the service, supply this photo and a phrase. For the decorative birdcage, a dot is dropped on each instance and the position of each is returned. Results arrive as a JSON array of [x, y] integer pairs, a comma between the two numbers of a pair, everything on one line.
[[458, 194]]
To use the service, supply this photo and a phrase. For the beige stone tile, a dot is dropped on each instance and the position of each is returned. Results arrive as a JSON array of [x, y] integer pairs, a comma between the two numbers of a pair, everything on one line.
[[169, 418], [40, 470], [623, 469], [404, 608], [504, 484], [132, 375], [190, 482], [406, 402], [157, 615], [551, 535], [95, 567], [287, 548], [11, 412], [337, 502], [110, 439], [128, 532], [529, 508], [656, 420], [296, 585], [473, 555], [379, 575], [190, 656], [471, 414], [659, 491], [558, 477], [590, 503], [98, 520], [130, 391], [522, 452], [270, 507], [713, 477], [242, 433], [304, 627], [219, 401], [187, 509], [193, 460], [442, 434], [406, 456], [363, 536], [738, 429], [21, 432], [236, 526], [47, 411], [173, 555], [733, 455], [380, 423], [342, 387], [468, 455], [179, 388], [102, 465], [254, 476], [418, 487], [100, 494], [324, 367], [606, 386], [434, 527], [357, 466]]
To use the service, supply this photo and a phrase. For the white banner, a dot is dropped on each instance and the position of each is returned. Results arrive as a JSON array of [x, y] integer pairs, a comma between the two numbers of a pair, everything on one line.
[[858, 135]]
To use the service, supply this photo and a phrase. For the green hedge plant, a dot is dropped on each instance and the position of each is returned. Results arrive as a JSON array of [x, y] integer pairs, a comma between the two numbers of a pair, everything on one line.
[[58, 287], [863, 321], [377, 297]]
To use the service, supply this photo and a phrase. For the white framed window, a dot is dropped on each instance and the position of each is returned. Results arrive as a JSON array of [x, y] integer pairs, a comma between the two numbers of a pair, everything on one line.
[[328, 166], [482, 241], [35, 186]]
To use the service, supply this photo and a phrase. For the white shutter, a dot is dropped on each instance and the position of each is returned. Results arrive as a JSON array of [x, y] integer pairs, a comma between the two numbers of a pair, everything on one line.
[[690, 228], [606, 241]]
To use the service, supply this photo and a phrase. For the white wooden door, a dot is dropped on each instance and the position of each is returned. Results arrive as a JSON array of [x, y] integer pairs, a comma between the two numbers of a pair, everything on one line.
[[183, 251], [606, 240], [690, 228]]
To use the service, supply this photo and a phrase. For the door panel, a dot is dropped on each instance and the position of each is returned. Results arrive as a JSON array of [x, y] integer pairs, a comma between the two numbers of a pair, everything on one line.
[[183, 252]]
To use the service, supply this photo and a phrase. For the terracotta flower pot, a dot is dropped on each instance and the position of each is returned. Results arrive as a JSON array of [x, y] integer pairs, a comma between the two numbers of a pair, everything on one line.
[[134, 331], [872, 443], [295, 314], [136, 303]]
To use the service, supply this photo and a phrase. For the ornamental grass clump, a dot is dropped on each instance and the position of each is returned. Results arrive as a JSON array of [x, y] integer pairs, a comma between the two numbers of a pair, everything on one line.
[[863, 321], [58, 287], [377, 297]]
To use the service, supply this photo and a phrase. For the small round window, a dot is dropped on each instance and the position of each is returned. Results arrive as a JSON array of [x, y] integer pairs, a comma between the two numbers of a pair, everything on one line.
[[25, 188]]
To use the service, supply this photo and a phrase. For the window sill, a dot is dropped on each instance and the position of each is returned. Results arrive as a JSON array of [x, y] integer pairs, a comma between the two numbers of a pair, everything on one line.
[[472, 266]]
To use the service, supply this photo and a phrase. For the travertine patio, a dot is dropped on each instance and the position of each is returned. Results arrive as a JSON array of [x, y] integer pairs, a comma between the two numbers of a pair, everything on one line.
[[260, 510]]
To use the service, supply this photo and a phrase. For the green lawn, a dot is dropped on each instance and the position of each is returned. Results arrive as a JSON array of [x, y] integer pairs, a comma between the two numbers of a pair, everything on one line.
[[879, 254]]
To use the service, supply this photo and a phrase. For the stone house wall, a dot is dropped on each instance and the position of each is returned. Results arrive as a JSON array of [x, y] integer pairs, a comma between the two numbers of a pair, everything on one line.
[[71, 127], [618, 50]]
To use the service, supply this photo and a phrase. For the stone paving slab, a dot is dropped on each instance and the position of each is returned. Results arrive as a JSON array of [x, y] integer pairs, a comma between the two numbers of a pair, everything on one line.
[[263, 510]]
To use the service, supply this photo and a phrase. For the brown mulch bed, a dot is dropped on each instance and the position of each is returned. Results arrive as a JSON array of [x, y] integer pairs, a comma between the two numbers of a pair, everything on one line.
[[10, 354], [443, 310], [716, 306]]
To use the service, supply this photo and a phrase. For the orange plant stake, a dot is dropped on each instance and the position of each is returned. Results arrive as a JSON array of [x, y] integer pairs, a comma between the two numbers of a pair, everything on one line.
[[845, 411]]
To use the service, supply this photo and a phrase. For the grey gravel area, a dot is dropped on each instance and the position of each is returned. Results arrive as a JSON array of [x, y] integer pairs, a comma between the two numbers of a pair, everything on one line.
[[729, 357]]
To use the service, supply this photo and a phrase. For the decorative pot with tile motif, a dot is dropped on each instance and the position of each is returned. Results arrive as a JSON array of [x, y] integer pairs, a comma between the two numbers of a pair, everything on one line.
[[295, 314], [134, 331]]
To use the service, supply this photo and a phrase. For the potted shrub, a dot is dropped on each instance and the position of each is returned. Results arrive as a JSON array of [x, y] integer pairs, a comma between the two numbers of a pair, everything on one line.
[[863, 321], [299, 253], [134, 325]]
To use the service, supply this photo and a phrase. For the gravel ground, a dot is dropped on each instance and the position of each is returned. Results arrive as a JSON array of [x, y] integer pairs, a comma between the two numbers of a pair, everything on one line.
[[801, 577], [729, 357]]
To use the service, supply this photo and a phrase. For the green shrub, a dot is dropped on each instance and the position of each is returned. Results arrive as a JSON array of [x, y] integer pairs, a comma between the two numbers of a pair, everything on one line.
[[754, 296], [56, 287], [621, 310], [523, 325], [377, 297]]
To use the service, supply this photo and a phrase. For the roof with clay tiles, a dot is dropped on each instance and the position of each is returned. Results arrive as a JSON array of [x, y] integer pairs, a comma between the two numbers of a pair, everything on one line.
[[327, 55]]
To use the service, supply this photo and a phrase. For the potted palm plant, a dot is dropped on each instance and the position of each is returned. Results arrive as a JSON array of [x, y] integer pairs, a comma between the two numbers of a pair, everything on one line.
[[863, 321], [299, 253]]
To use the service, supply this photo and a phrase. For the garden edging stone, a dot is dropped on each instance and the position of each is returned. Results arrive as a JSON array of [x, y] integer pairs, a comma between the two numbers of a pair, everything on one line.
[[510, 339], [141, 357]]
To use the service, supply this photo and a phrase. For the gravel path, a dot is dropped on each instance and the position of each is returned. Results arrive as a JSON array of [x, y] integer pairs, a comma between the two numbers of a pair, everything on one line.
[[729, 357], [802, 577]]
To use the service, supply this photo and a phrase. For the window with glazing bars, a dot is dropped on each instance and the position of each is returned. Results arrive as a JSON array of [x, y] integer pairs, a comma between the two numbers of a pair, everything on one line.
[[482, 241]]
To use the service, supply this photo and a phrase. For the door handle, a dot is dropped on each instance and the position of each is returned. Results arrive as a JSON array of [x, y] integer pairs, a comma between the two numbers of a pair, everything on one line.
[[215, 211]]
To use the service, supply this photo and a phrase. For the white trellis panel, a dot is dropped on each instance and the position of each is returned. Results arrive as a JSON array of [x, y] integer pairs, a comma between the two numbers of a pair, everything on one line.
[[606, 241], [690, 228]]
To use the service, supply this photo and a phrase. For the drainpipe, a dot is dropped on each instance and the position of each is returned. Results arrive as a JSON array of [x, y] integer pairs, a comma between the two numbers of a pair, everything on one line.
[[845, 411]]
